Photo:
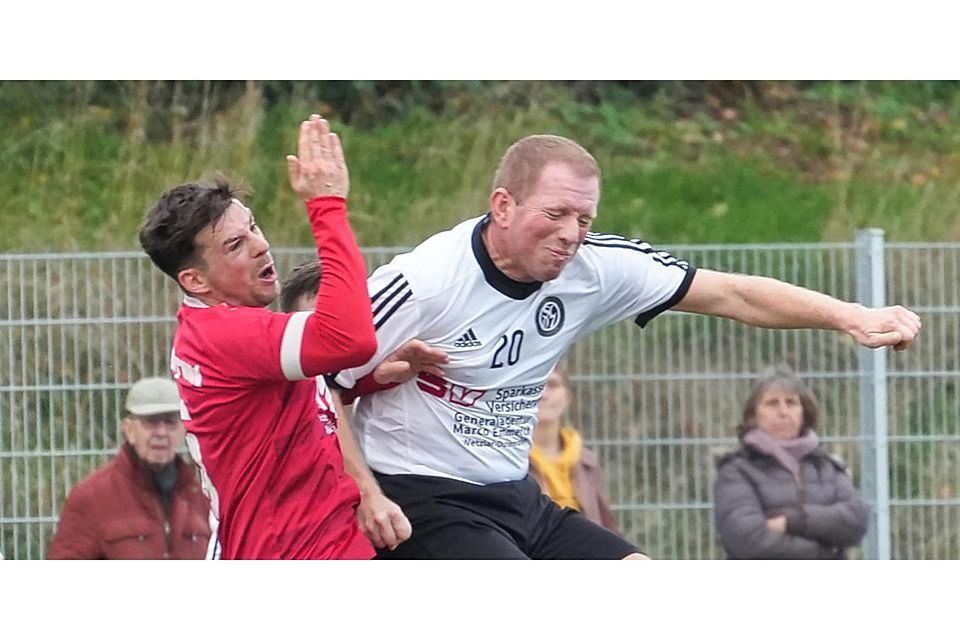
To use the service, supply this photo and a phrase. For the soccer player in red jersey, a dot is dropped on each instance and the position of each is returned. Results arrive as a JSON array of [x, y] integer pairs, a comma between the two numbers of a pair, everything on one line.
[[260, 421]]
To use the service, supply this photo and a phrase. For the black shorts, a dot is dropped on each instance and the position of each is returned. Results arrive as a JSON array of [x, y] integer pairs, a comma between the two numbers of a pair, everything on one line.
[[505, 520]]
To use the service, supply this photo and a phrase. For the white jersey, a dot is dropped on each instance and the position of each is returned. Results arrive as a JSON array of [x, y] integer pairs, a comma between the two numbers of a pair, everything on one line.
[[503, 338]]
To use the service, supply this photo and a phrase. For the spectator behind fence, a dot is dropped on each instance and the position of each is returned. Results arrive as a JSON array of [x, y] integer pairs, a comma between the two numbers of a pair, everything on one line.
[[780, 496], [566, 470], [146, 503]]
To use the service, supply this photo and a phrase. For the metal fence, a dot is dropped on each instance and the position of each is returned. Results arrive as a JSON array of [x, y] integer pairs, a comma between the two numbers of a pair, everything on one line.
[[657, 404]]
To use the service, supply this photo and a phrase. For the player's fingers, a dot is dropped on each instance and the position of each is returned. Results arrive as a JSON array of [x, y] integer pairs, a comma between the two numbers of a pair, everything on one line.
[[385, 528], [904, 344], [293, 170], [304, 148], [883, 339], [336, 152], [372, 531], [316, 138], [429, 368], [388, 372], [432, 354], [910, 330], [326, 148], [907, 314], [401, 526]]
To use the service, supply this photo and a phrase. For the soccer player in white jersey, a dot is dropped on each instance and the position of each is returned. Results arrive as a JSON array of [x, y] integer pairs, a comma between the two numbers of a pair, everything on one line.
[[505, 295], [260, 422]]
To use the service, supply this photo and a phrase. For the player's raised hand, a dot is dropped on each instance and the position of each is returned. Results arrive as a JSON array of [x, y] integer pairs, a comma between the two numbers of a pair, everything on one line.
[[319, 168], [895, 327]]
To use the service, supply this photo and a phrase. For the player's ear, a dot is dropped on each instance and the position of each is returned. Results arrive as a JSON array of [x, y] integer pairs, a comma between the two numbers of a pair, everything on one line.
[[194, 281], [501, 206]]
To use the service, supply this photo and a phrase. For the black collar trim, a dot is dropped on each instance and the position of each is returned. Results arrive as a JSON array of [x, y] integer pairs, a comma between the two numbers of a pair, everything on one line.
[[494, 277]]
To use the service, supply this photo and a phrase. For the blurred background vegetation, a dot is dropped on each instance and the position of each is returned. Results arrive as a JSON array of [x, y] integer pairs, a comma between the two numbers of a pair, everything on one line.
[[683, 161]]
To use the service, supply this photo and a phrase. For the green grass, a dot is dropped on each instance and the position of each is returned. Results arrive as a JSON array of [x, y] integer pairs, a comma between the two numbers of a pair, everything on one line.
[[788, 162]]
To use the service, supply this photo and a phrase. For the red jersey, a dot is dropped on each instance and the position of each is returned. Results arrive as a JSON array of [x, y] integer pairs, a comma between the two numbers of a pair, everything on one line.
[[260, 421]]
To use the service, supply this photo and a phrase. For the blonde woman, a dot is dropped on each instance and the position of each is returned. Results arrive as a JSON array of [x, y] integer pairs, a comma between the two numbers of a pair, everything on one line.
[[567, 471]]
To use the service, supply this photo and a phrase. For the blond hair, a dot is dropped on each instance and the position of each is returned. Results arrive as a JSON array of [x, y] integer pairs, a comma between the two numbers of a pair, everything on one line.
[[521, 166]]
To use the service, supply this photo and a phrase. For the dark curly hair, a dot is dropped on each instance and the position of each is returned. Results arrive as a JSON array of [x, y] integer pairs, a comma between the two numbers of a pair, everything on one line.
[[302, 279]]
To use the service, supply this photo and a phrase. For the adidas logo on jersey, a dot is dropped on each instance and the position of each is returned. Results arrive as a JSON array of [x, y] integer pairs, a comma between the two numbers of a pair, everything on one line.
[[469, 339]]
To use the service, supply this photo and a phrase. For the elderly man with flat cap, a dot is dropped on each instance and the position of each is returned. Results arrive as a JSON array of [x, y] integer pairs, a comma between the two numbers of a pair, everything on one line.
[[145, 503]]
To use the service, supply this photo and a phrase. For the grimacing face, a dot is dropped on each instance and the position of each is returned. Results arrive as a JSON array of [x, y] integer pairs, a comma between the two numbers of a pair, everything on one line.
[[156, 438], [551, 222], [238, 268], [780, 413]]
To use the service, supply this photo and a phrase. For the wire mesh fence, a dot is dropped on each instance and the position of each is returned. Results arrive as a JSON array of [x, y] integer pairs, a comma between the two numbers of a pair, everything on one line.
[[657, 405]]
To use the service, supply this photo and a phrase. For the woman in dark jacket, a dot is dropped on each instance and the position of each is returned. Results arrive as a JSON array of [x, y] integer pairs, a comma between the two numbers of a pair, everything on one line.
[[780, 496]]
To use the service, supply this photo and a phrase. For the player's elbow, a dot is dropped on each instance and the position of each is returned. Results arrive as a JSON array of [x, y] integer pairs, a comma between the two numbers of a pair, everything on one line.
[[338, 350], [360, 348], [365, 347]]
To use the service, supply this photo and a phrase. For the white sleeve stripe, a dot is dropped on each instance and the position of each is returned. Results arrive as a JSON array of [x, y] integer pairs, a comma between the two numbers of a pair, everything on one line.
[[213, 545], [291, 344]]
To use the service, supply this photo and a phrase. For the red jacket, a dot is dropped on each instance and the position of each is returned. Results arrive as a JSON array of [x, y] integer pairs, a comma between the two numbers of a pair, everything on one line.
[[117, 513]]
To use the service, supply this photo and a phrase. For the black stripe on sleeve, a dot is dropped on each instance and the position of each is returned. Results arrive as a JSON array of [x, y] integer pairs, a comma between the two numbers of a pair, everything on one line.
[[386, 288], [393, 295], [392, 310], [644, 318]]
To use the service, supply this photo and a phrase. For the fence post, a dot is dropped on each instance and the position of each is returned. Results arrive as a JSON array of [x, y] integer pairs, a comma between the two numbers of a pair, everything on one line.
[[871, 291]]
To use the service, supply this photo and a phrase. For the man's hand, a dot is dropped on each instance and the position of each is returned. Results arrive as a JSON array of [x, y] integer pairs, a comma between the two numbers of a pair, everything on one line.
[[382, 521], [886, 327], [777, 524], [408, 360], [320, 169]]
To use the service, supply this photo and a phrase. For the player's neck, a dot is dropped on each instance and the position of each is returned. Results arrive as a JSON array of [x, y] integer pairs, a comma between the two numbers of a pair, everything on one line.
[[210, 301], [214, 300], [493, 241]]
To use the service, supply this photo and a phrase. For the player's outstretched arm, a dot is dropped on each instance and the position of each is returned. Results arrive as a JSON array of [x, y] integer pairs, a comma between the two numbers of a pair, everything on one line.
[[770, 303]]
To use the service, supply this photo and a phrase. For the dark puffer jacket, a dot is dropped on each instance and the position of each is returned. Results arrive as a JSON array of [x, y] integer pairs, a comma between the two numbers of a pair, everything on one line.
[[825, 514]]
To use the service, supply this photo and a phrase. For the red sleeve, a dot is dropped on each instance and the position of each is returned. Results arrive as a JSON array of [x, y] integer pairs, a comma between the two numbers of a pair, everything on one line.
[[364, 387], [339, 334]]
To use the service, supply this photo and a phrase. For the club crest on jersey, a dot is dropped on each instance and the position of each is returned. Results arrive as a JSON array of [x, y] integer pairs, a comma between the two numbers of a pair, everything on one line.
[[550, 316]]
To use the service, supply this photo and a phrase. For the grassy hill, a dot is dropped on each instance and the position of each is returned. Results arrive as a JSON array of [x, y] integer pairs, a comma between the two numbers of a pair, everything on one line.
[[683, 162]]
